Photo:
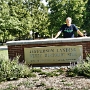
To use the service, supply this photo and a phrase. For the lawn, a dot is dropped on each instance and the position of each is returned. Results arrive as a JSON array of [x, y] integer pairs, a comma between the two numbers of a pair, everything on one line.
[[4, 53]]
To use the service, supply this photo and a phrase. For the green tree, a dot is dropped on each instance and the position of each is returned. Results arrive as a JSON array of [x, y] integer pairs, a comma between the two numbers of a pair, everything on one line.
[[86, 17], [39, 16], [14, 19], [4, 9], [19, 19], [60, 9]]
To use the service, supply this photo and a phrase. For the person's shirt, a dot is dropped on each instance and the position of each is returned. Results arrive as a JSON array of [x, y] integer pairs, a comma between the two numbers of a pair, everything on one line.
[[68, 31]]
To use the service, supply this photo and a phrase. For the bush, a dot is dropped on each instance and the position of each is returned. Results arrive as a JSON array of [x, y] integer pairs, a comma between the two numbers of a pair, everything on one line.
[[81, 69], [12, 70]]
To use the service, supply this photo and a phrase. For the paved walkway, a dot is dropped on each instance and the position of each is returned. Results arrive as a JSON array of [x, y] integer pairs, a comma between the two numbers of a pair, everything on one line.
[[3, 47]]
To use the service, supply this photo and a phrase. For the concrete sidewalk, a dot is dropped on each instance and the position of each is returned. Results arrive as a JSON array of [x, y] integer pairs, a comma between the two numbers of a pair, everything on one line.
[[3, 48]]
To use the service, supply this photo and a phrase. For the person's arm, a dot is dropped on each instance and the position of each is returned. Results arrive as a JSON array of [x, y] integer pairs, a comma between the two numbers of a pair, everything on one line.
[[80, 33], [57, 34]]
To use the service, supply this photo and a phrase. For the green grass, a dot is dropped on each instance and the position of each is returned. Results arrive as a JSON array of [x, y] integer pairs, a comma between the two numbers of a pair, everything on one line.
[[4, 53]]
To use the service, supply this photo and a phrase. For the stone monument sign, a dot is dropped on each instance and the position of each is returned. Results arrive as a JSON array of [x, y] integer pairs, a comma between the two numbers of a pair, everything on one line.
[[53, 54]]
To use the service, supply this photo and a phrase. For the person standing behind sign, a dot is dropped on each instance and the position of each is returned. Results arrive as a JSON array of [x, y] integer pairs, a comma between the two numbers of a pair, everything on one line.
[[69, 29]]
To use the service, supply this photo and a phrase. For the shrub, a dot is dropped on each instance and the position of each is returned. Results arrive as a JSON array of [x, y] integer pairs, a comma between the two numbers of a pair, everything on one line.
[[12, 70], [81, 69]]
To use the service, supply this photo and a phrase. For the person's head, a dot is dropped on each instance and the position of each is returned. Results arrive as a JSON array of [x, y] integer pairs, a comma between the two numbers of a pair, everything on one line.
[[68, 21]]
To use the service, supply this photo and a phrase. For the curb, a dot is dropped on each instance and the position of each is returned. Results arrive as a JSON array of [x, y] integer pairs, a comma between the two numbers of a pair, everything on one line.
[[3, 48]]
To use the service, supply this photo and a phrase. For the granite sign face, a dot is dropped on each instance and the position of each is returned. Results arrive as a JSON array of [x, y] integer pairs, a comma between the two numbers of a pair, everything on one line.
[[53, 54]]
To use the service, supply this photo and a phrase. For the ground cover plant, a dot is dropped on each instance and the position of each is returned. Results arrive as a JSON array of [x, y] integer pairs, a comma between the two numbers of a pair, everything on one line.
[[9, 68], [23, 77], [12, 69], [82, 68]]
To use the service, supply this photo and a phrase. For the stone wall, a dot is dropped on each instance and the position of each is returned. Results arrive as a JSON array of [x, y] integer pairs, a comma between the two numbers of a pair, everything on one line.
[[17, 47]]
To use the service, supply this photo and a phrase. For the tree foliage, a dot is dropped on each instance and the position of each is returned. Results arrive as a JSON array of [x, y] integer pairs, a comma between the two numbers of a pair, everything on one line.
[[87, 17], [61, 9], [19, 17]]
